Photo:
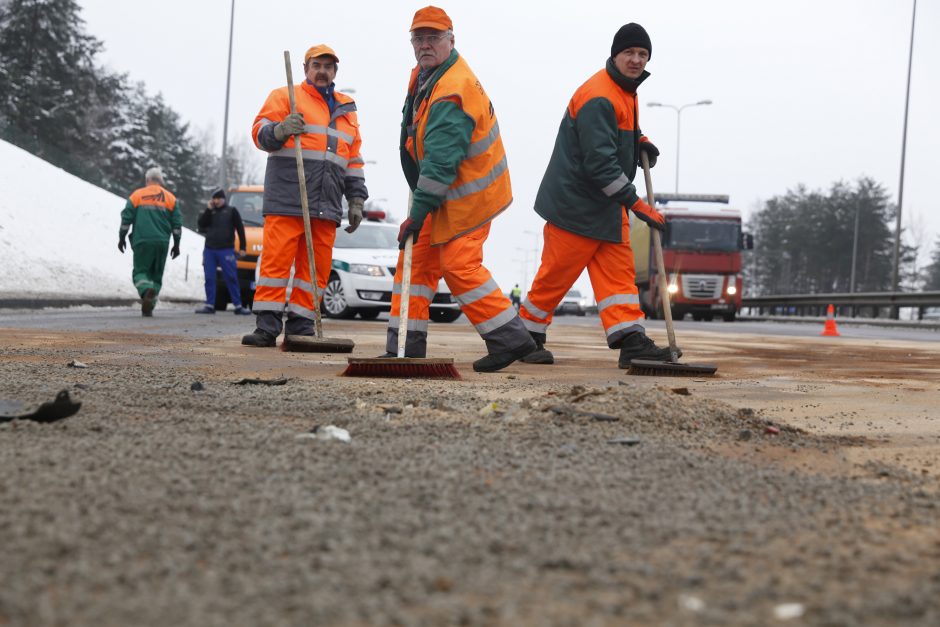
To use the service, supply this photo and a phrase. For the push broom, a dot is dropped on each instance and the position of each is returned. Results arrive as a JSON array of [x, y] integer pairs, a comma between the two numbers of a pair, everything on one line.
[[671, 367], [307, 343], [400, 366]]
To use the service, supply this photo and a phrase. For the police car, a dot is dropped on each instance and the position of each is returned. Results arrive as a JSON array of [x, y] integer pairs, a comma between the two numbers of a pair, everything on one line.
[[363, 273]]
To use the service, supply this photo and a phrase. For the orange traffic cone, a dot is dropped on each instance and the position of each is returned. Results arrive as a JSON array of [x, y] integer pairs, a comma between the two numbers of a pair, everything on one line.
[[830, 330]]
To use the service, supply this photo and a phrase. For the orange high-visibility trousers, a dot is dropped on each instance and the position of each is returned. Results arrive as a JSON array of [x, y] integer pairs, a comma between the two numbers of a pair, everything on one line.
[[460, 263], [610, 267], [284, 245]]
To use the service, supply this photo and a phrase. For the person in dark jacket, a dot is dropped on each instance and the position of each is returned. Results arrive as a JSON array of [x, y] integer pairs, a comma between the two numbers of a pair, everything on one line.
[[584, 198], [219, 222]]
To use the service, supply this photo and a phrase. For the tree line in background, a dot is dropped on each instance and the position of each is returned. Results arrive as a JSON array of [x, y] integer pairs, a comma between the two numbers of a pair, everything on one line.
[[804, 243], [58, 103]]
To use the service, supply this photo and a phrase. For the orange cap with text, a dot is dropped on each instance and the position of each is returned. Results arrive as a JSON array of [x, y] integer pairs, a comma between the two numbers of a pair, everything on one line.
[[431, 17], [318, 51]]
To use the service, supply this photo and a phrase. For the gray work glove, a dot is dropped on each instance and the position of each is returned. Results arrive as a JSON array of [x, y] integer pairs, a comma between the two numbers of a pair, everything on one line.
[[293, 124], [355, 214]]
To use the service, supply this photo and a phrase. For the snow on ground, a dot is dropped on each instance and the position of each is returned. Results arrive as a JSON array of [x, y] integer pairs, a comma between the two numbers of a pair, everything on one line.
[[59, 234]]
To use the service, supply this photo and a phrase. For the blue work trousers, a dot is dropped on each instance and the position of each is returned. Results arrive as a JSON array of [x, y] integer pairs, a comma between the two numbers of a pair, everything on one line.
[[223, 258]]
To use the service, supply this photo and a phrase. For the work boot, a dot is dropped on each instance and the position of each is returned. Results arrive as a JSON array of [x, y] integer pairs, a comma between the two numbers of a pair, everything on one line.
[[638, 346], [148, 300], [259, 338], [498, 361], [205, 309], [242, 311], [540, 355]]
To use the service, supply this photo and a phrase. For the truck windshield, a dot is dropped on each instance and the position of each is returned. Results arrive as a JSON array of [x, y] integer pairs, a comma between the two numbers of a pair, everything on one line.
[[249, 206], [703, 235], [368, 235]]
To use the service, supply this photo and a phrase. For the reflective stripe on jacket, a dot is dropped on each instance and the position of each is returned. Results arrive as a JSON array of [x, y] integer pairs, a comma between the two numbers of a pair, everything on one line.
[[333, 167], [151, 210], [590, 174], [480, 188]]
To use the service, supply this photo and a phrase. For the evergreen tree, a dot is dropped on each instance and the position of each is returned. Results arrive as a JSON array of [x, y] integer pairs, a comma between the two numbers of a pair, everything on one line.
[[50, 82], [932, 271], [805, 240]]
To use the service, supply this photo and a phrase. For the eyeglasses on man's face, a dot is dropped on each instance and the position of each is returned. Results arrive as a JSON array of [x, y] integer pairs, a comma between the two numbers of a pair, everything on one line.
[[420, 40]]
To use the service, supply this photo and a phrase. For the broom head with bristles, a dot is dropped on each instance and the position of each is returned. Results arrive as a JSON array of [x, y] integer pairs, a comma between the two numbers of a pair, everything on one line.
[[648, 367], [314, 344], [401, 368]]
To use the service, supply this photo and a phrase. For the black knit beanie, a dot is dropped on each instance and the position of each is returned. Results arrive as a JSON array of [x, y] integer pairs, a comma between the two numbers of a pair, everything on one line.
[[631, 35], [218, 192]]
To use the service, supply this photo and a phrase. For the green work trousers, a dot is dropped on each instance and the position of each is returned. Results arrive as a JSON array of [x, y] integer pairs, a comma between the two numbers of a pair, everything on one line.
[[149, 261]]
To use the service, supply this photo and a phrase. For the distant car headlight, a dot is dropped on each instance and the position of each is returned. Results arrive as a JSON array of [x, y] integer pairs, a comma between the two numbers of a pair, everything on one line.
[[673, 288], [732, 290], [361, 268]]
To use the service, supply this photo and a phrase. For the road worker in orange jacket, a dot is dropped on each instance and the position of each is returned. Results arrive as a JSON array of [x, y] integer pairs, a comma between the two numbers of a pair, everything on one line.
[[454, 162], [328, 130], [151, 215], [584, 197]]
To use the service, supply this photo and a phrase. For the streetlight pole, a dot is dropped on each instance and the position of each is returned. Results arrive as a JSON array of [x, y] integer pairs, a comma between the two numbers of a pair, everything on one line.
[[228, 83], [678, 111], [895, 285], [535, 250]]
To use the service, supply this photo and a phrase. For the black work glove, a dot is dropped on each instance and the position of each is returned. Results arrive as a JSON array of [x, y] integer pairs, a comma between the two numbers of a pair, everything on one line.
[[175, 251], [651, 152], [355, 214], [408, 227], [649, 215], [122, 244], [293, 124]]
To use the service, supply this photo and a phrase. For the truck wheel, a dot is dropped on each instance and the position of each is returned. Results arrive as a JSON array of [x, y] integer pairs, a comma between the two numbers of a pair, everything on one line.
[[444, 315], [729, 317], [334, 300]]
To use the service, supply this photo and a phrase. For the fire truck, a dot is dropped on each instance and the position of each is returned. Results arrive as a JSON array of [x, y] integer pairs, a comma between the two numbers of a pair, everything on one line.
[[702, 256]]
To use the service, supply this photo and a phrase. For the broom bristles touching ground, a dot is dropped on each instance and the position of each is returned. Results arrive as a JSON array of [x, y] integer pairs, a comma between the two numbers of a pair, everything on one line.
[[647, 367], [402, 368]]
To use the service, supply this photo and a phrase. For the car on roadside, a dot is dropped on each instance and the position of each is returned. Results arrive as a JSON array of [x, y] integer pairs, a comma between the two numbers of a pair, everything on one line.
[[363, 273], [572, 303]]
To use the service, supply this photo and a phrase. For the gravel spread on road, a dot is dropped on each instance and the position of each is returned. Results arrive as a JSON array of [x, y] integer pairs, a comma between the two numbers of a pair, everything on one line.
[[507, 501]]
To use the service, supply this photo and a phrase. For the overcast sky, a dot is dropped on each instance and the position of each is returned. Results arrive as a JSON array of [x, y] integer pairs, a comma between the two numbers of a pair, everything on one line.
[[803, 91]]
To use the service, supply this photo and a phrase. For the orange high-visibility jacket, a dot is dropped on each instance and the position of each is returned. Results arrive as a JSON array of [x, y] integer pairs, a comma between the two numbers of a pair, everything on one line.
[[330, 144], [482, 188]]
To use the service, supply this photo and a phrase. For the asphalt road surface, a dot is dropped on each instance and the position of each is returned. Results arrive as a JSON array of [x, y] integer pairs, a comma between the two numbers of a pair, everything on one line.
[[797, 486]]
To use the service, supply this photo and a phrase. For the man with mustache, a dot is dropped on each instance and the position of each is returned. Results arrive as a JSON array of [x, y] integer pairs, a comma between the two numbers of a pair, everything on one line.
[[328, 131], [584, 197], [453, 159]]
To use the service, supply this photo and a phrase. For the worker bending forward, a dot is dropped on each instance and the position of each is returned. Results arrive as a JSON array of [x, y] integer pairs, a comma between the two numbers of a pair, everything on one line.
[[584, 197], [328, 131], [455, 165]]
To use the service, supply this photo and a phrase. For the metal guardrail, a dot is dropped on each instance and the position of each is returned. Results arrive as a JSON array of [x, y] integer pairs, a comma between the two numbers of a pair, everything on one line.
[[870, 303], [858, 299]]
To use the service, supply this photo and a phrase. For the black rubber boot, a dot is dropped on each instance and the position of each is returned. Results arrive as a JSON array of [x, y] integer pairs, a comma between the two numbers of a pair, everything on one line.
[[639, 346], [498, 361], [540, 355], [148, 300], [259, 338]]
